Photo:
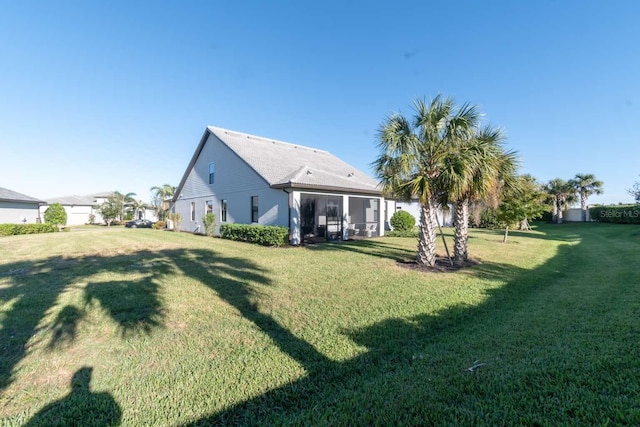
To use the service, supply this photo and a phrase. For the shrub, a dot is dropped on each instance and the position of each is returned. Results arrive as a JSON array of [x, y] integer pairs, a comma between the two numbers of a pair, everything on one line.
[[15, 229], [55, 215], [209, 221], [402, 233], [159, 225], [402, 221], [263, 235], [626, 214], [176, 218]]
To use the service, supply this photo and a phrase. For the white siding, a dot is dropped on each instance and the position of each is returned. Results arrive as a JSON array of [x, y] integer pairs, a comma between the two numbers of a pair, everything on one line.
[[575, 215], [234, 182], [19, 213]]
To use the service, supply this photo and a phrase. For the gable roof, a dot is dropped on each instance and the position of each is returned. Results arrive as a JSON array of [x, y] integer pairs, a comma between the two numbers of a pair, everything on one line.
[[74, 200], [7, 195], [285, 165]]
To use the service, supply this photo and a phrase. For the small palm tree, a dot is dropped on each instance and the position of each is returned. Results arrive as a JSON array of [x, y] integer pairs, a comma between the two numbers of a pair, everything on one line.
[[585, 185], [413, 156], [161, 195], [561, 193], [122, 201], [138, 206], [485, 168]]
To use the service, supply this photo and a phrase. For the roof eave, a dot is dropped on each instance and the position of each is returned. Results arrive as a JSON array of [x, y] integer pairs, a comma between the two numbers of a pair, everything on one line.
[[298, 186]]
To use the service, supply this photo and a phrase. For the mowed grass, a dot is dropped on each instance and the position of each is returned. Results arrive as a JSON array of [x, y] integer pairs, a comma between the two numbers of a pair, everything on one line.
[[140, 327]]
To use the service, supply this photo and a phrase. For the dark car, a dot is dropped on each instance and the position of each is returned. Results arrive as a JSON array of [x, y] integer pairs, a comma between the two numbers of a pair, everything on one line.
[[139, 223]]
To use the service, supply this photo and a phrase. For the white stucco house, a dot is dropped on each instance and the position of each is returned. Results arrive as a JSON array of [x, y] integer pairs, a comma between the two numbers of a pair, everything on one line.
[[249, 179], [18, 208], [80, 208]]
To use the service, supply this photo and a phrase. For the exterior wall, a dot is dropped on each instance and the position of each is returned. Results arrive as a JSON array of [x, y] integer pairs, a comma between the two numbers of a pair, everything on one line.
[[575, 215], [445, 218], [235, 182], [19, 213], [76, 214]]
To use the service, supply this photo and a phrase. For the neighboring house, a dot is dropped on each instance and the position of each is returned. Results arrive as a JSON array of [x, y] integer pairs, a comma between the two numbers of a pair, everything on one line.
[[574, 215], [17, 208], [248, 179], [80, 208], [444, 216]]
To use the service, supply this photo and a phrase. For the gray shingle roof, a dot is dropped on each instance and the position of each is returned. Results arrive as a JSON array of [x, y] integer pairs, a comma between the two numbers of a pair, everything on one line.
[[73, 200], [282, 164], [13, 196]]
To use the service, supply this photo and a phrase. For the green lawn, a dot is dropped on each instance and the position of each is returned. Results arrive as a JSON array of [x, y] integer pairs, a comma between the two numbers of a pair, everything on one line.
[[141, 327]]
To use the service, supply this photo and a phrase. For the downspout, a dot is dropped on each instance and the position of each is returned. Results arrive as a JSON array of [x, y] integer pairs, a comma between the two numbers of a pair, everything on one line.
[[289, 213]]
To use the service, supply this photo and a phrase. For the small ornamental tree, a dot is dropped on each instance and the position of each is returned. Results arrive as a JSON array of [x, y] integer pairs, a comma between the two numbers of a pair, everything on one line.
[[209, 221], [176, 218], [402, 221], [55, 215]]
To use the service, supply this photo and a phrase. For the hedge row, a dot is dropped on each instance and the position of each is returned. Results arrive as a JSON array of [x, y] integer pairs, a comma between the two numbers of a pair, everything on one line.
[[15, 229], [266, 235], [629, 214]]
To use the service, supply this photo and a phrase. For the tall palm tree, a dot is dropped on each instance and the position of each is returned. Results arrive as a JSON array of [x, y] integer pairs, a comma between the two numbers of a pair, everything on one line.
[[485, 168], [413, 156], [561, 193], [160, 195], [585, 185]]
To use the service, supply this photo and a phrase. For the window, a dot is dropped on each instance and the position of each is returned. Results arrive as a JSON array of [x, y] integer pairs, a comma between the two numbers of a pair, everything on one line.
[[254, 208], [193, 211], [212, 171], [223, 211], [208, 207]]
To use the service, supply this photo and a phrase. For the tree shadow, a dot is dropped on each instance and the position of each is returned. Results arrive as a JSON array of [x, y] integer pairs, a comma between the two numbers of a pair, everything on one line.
[[80, 407], [410, 360], [34, 287], [376, 248]]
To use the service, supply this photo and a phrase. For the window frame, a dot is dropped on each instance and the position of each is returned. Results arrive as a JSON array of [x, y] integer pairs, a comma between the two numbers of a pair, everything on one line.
[[212, 172], [255, 211], [223, 210], [193, 211]]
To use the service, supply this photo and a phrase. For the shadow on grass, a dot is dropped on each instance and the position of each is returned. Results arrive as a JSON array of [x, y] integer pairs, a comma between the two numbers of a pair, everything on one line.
[[34, 288], [543, 347], [513, 359], [80, 407]]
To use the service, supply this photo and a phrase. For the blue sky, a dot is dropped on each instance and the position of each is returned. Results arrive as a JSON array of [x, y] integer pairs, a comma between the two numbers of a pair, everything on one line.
[[115, 95]]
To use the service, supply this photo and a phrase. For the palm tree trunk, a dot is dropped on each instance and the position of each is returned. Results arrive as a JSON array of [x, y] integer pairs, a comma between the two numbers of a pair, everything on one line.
[[427, 236], [583, 205], [461, 237], [554, 211], [560, 214]]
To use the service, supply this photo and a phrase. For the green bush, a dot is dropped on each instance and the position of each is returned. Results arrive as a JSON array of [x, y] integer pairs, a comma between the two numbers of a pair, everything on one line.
[[55, 215], [263, 235], [15, 229], [209, 222], [402, 233], [402, 221], [625, 214]]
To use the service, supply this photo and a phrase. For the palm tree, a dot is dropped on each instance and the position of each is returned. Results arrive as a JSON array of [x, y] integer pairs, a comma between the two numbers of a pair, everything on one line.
[[160, 196], [561, 193], [585, 185], [138, 206], [413, 156], [485, 168]]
